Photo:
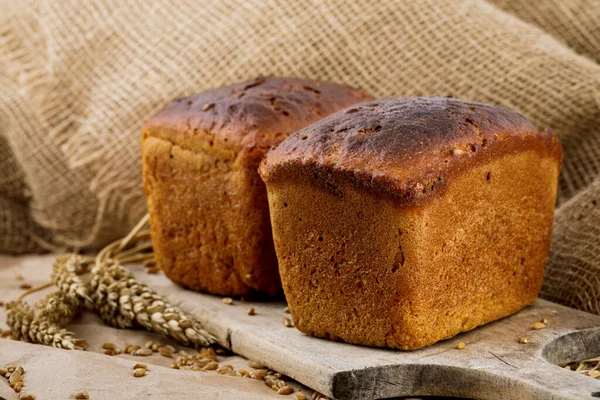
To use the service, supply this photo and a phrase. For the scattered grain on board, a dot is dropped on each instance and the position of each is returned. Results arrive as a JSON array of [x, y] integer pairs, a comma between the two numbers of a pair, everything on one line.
[[461, 345], [140, 365], [538, 325], [25, 286], [82, 395], [211, 366], [143, 352], [165, 352], [544, 320], [285, 390], [139, 372], [251, 311], [287, 322], [523, 340], [227, 300]]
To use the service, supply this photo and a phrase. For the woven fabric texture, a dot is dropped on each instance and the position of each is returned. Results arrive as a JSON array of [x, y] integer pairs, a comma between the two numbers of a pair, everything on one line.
[[79, 78]]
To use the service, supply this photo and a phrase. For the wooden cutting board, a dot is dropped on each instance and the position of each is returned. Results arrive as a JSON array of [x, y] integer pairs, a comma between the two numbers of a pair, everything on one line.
[[492, 366]]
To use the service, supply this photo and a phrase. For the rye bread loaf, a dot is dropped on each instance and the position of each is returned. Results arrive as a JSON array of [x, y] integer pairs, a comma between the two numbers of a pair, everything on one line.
[[401, 222], [208, 206]]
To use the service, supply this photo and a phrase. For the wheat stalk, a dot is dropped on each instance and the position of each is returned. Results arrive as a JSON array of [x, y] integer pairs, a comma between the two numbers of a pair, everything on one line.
[[112, 292]]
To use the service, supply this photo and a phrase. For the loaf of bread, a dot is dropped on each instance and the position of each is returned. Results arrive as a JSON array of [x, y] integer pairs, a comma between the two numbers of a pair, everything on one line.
[[402, 222], [208, 206]]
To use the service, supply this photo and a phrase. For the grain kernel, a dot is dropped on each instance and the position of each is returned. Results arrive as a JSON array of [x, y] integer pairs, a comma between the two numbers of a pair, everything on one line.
[[25, 286], [109, 346], [83, 395], [544, 320], [227, 300], [132, 349], [211, 366], [140, 365], [258, 375], [538, 325], [285, 390], [287, 323], [461, 345], [255, 365], [149, 344], [523, 340], [207, 106], [300, 396], [143, 352], [223, 370], [26, 396], [139, 372], [251, 311], [165, 352], [286, 310]]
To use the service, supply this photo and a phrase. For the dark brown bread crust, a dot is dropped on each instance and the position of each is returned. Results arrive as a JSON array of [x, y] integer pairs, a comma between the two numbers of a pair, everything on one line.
[[255, 114], [407, 147], [209, 214]]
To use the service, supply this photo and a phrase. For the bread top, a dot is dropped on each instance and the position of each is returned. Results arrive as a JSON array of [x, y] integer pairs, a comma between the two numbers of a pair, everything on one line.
[[407, 147], [255, 114]]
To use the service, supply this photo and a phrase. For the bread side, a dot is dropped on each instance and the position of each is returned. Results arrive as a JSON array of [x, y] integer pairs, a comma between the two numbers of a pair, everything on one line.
[[368, 264], [208, 208]]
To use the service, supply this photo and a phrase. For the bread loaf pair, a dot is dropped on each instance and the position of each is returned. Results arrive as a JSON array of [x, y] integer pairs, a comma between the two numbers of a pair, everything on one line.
[[396, 222]]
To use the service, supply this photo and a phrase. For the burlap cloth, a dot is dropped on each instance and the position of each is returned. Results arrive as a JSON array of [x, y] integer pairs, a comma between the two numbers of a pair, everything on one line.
[[79, 78]]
